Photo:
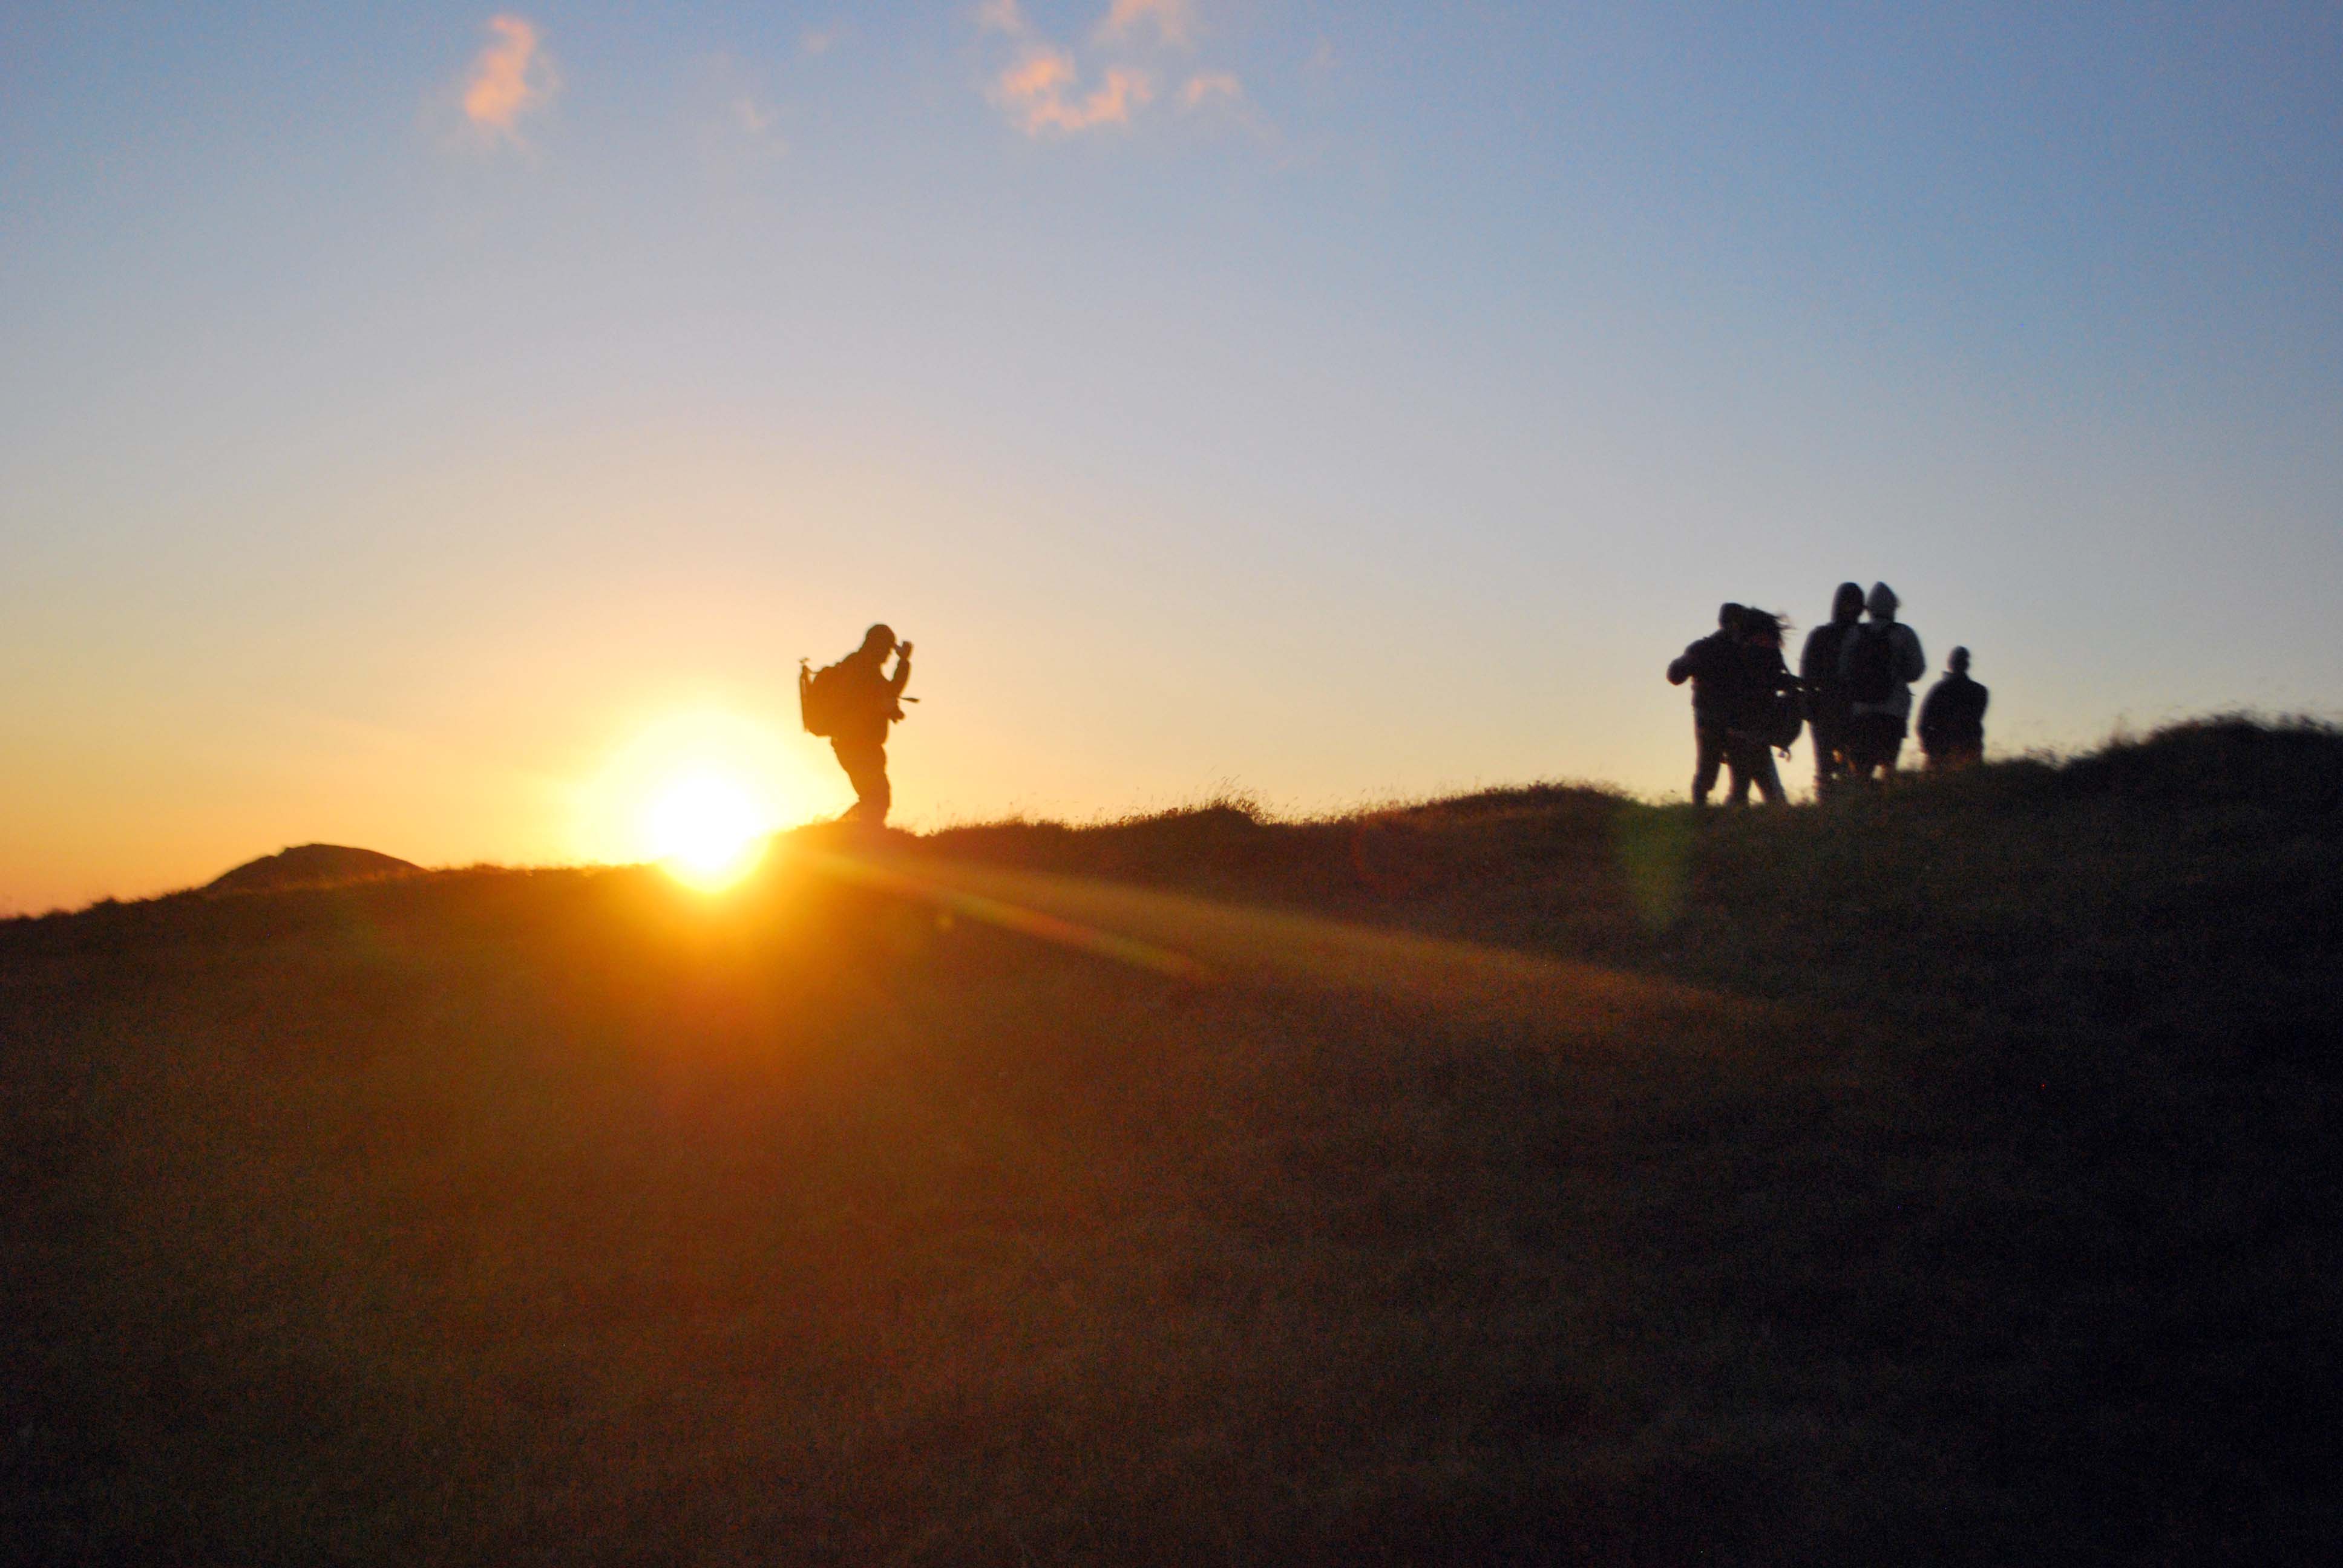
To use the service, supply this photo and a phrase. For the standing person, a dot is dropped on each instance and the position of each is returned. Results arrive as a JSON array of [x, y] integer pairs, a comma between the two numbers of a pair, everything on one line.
[[1878, 662], [1827, 701], [1952, 719], [1761, 683], [852, 702], [1712, 665]]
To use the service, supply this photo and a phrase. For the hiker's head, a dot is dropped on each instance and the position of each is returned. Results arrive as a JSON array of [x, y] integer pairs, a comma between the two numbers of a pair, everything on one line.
[[1728, 617], [1762, 627], [1882, 603], [1848, 603], [879, 638], [1959, 663]]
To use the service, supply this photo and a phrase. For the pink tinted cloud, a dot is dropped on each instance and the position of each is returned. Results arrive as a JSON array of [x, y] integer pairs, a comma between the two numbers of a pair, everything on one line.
[[1042, 74], [510, 78], [1203, 89], [1123, 91], [1001, 16], [1034, 93], [1174, 20]]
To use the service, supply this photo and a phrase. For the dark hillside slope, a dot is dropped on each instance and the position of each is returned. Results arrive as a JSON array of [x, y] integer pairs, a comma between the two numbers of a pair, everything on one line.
[[2190, 883], [1534, 1177]]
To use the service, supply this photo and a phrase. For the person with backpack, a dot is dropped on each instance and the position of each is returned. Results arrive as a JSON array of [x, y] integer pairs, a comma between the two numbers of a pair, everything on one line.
[[1878, 663], [1827, 701], [1952, 719], [852, 703], [1712, 665], [1764, 710]]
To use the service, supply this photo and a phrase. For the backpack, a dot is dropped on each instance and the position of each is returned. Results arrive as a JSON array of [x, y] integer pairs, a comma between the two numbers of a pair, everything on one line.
[[821, 695], [1787, 719], [1871, 668]]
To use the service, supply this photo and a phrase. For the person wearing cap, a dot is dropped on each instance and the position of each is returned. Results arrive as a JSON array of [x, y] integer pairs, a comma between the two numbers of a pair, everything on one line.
[[1712, 665], [870, 700], [1952, 719], [1826, 701], [1878, 663]]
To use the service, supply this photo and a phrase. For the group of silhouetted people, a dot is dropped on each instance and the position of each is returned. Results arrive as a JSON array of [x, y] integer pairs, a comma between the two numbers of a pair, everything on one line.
[[1852, 689]]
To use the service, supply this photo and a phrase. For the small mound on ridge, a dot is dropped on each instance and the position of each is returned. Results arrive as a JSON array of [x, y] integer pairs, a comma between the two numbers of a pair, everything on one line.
[[310, 866]]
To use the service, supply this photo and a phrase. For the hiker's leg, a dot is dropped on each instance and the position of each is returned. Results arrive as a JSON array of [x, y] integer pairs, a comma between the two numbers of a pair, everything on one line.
[[1768, 777], [1863, 739], [1738, 771], [1708, 755], [866, 770]]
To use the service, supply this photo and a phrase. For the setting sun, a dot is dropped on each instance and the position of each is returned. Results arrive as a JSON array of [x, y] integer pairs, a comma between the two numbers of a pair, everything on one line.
[[698, 789], [706, 831]]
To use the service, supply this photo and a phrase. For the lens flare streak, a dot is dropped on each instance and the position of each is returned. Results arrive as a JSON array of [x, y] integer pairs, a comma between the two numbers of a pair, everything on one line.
[[1189, 938], [1008, 916]]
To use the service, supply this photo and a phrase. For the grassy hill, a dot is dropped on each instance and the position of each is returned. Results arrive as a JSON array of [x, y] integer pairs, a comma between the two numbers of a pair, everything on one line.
[[309, 866], [1532, 1177]]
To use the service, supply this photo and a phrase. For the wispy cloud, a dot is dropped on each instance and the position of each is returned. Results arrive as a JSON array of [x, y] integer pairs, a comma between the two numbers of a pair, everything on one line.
[[1175, 21], [821, 40], [739, 122], [1107, 77], [754, 133], [1037, 94], [753, 119], [1042, 74], [1209, 87], [510, 78], [1002, 16], [1123, 91]]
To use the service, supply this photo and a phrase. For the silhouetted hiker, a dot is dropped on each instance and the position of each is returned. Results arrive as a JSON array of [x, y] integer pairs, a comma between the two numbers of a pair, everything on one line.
[[1878, 662], [1712, 665], [1765, 712], [1826, 693], [852, 702], [1952, 719]]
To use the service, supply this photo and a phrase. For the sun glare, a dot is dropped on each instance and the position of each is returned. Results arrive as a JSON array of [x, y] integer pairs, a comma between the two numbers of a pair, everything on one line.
[[706, 831], [700, 790]]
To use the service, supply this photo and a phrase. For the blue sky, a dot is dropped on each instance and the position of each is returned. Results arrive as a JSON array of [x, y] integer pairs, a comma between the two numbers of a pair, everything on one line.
[[407, 412]]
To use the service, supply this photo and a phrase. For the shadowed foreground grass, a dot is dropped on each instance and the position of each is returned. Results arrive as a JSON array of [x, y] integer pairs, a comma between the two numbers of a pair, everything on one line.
[[1534, 1177]]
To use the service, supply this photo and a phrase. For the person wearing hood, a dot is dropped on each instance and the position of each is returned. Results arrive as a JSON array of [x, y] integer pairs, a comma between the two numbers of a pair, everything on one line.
[[1712, 665], [1827, 702], [1878, 663], [1764, 695], [861, 700], [1952, 719]]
